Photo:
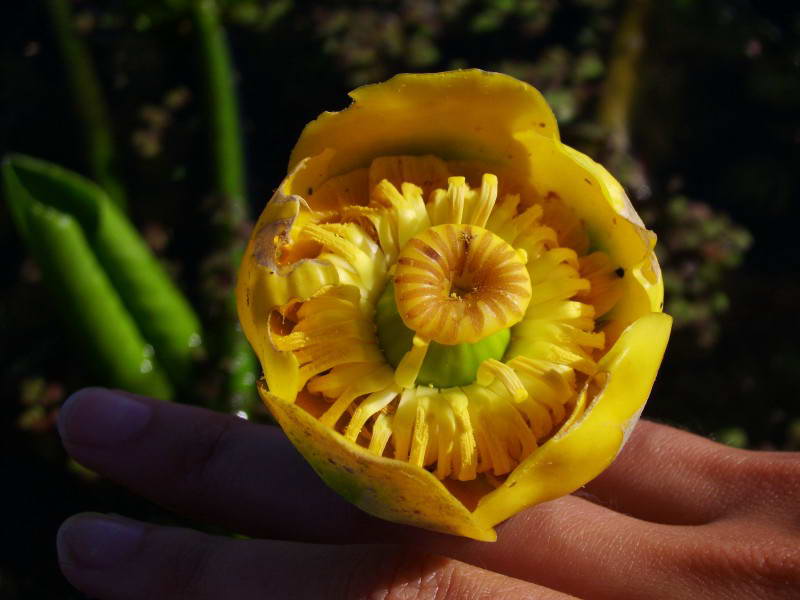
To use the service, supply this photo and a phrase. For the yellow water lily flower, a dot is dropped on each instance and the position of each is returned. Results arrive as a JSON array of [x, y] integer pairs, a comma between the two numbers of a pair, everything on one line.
[[457, 315]]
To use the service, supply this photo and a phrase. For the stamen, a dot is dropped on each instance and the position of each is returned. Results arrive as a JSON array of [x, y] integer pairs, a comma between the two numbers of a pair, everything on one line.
[[456, 191], [381, 433], [373, 404], [445, 432], [358, 260], [465, 459], [409, 208], [486, 200], [333, 240], [492, 369], [605, 279], [364, 379], [419, 441], [403, 423], [406, 374]]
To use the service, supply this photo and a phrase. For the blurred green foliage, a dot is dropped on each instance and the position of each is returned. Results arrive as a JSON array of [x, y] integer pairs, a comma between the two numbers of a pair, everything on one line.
[[121, 307], [694, 106]]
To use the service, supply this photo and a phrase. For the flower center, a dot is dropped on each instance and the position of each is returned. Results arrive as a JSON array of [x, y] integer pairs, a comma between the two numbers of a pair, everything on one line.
[[444, 366], [457, 284], [433, 321]]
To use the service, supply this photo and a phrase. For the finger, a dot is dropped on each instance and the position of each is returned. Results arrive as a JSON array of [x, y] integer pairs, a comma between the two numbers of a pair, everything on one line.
[[205, 465], [584, 549], [119, 559], [215, 468], [666, 475], [249, 478], [577, 547], [765, 487]]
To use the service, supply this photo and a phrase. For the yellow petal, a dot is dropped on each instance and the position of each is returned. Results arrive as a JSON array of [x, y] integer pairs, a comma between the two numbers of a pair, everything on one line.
[[581, 451], [456, 115], [565, 174], [383, 487]]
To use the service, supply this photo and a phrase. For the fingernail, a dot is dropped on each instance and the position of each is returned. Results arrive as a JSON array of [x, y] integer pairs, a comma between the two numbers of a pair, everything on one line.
[[101, 417], [98, 541]]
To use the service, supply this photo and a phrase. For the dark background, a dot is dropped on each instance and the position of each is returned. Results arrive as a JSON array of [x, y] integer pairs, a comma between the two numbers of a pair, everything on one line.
[[709, 149]]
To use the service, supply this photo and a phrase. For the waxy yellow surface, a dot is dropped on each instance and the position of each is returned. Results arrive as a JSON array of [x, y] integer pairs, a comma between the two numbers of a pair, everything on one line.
[[507, 126]]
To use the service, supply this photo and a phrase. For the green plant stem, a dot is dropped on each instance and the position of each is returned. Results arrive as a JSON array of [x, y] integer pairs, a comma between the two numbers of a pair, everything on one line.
[[619, 90], [91, 307], [88, 100], [162, 314], [227, 148], [230, 187]]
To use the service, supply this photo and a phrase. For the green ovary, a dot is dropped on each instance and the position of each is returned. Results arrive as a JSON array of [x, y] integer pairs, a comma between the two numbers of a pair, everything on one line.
[[444, 366]]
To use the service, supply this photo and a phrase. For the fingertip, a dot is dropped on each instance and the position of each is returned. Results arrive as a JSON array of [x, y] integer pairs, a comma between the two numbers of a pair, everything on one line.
[[64, 413], [97, 541], [101, 417]]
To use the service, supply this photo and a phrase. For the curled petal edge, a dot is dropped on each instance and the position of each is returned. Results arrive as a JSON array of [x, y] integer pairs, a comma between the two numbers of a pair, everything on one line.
[[458, 114], [264, 284]]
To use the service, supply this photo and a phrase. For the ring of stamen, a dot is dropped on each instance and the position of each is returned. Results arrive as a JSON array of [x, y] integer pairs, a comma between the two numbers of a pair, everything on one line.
[[460, 283], [459, 409]]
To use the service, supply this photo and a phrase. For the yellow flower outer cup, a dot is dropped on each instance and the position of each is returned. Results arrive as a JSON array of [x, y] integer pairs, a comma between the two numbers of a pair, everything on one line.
[[493, 118]]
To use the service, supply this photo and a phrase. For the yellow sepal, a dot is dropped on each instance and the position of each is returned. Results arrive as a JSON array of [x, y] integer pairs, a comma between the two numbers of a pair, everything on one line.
[[384, 487], [583, 449], [562, 173], [456, 115]]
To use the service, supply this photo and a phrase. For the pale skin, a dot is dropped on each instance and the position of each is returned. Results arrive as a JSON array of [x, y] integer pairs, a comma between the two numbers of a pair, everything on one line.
[[676, 516]]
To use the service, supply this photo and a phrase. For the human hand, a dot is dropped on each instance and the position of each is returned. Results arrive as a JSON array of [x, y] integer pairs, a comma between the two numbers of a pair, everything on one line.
[[676, 516]]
